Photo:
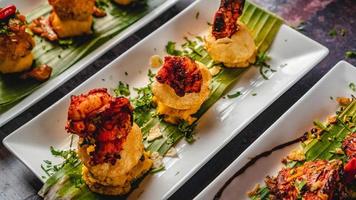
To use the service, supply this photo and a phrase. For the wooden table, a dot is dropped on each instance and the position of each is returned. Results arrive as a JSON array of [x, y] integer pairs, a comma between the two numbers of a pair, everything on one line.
[[319, 17]]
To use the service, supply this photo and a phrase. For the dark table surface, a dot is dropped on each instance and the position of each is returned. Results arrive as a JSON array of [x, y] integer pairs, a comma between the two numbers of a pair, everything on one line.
[[314, 18]]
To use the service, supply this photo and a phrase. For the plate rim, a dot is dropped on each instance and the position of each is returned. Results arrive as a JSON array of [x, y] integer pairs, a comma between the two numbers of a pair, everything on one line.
[[232, 166]]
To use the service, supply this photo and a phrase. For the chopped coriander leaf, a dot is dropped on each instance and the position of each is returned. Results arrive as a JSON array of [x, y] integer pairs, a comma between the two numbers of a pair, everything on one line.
[[65, 42], [333, 32], [70, 158], [150, 75], [171, 49], [254, 94], [331, 98], [122, 89], [102, 3], [156, 170], [209, 24], [350, 54], [237, 94], [261, 60], [352, 86], [197, 15], [299, 184], [188, 130]]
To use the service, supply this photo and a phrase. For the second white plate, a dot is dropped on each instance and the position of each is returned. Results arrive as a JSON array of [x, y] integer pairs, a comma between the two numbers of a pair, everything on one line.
[[293, 55], [316, 104]]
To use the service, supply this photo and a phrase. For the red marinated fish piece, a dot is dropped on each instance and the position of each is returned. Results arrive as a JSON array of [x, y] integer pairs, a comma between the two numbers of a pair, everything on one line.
[[102, 121], [314, 180], [180, 73], [349, 145], [226, 17]]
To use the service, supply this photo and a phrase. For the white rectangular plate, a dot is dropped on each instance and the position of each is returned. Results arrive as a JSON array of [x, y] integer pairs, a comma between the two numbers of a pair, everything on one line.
[[315, 104], [297, 53], [51, 85]]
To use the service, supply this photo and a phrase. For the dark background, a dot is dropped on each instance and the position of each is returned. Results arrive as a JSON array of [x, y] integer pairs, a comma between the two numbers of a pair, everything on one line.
[[314, 18]]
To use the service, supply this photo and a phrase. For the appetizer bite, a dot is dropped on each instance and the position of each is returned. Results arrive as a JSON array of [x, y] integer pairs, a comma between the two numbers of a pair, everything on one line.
[[181, 87], [229, 41], [15, 43], [71, 17], [319, 179], [324, 166], [110, 144]]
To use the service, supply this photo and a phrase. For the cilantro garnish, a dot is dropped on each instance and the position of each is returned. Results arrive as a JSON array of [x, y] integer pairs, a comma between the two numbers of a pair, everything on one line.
[[350, 54], [236, 94], [171, 49], [122, 89]]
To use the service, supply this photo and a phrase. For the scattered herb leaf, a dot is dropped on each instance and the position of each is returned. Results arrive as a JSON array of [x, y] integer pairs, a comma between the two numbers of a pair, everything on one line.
[[122, 89], [171, 49], [237, 94], [352, 86], [350, 54], [188, 130], [333, 32]]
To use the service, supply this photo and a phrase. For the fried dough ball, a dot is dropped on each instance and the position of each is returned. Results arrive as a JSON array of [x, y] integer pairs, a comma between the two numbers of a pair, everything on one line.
[[139, 170], [237, 51], [131, 164], [72, 17], [176, 107], [15, 45]]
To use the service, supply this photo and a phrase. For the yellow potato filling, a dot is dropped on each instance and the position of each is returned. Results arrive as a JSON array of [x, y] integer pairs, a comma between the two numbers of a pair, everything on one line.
[[237, 51], [176, 108], [10, 65], [116, 179], [70, 28]]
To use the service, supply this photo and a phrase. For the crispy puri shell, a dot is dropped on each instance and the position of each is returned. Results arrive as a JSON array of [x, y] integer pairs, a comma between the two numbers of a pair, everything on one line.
[[165, 94], [237, 51], [108, 174], [18, 65], [70, 28]]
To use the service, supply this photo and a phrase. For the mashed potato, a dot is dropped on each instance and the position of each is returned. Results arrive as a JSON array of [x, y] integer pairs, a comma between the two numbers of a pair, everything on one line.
[[116, 179], [70, 27], [237, 51], [175, 108]]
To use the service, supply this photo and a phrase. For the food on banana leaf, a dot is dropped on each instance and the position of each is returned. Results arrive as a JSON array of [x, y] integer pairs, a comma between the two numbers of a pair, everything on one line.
[[230, 41], [328, 166], [319, 179], [158, 136], [71, 17], [181, 87], [15, 43], [110, 145]]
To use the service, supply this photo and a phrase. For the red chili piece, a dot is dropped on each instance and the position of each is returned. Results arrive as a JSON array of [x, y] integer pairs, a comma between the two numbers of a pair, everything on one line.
[[7, 11], [350, 170]]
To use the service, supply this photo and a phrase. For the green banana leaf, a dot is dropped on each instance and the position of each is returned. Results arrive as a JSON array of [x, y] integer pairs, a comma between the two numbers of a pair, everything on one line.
[[61, 57], [264, 30]]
